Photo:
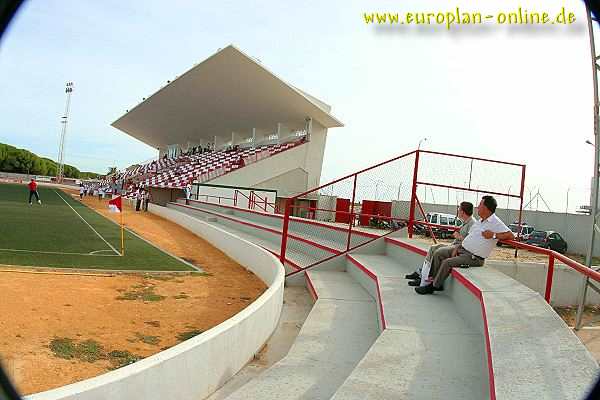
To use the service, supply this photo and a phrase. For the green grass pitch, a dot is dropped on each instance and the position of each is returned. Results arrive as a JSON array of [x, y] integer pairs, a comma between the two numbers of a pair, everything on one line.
[[54, 235]]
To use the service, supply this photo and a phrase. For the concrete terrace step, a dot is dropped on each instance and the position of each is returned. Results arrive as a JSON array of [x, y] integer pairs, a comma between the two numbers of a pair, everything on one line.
[[330, 246], [339, 330], [529, 340], [428, 350], [404, 365], [274, 246]]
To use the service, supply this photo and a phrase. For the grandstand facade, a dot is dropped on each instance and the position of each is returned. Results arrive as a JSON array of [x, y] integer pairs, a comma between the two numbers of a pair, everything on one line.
[[230, 121]]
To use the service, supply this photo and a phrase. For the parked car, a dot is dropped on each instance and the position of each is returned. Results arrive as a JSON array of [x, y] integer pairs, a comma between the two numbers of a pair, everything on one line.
[[548, 240], [526, 231], [447, 220]]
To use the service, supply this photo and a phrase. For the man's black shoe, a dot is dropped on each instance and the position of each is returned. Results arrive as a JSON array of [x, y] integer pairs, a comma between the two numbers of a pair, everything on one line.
[[414, 275], [425, 289], [414, 282], [440, 289]]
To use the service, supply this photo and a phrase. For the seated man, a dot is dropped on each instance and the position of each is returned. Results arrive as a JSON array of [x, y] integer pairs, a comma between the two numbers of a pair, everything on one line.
[[465, 214], [475, 248]]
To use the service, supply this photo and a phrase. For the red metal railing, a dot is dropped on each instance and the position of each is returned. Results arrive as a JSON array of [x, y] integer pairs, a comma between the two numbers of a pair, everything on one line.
[[354, 188], [552, 256]]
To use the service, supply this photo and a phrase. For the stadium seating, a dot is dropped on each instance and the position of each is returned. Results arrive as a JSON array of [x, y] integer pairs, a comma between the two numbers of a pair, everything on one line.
[[177, 172]]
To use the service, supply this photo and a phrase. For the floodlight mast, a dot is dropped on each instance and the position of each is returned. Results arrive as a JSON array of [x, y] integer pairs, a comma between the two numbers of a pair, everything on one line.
[[594, 228], [64, 121]]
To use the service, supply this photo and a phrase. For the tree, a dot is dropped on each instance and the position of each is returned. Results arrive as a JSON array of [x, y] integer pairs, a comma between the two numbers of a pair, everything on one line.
[[22, 161]]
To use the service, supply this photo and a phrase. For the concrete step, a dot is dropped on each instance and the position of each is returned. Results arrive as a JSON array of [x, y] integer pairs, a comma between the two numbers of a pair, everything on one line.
[[415, 365], [428, 350], [338, 332]]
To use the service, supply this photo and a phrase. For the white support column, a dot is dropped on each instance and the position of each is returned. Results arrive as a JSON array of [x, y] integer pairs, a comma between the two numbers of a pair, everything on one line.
[[253, 137], [232, 139], [308, 127], [278, 131], [215, 144]]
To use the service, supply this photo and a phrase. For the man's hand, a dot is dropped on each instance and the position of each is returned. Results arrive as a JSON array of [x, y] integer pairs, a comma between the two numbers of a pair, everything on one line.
[[456, 235], [455, 251], [487, 234]]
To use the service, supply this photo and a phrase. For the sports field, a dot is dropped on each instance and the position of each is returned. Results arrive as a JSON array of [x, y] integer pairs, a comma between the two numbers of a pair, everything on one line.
[[63, 232]]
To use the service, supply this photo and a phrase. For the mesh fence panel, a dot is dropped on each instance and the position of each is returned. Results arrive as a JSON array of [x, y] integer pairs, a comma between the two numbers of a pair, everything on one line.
[[369, 204]]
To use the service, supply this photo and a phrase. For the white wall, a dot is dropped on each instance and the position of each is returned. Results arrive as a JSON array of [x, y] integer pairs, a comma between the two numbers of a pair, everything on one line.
[[566, 281], [574, 228], [197, 367], [228, 193]]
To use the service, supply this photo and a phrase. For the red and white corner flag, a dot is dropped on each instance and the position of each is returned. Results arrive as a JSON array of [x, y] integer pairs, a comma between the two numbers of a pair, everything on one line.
[[114, 205]]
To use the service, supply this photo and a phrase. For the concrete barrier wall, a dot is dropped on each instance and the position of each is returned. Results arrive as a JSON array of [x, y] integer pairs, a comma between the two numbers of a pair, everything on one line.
[[197, 367], [574, 228], [566, 281]]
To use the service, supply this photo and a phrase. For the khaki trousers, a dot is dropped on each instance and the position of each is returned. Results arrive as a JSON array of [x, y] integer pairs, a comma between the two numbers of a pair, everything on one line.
[[443, 262]]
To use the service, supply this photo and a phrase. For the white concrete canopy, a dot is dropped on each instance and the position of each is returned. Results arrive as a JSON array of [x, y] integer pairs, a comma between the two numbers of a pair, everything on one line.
[[227, 92]]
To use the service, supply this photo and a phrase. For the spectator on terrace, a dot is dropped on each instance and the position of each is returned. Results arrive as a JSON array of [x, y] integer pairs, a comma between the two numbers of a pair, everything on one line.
[[138, 199], [100, 193], [475, 247], [81, 191], [146, 199], [188, 193], [421, 276]]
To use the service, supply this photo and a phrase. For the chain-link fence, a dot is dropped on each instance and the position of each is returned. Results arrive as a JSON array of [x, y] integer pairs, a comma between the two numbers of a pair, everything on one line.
[[354, 210]]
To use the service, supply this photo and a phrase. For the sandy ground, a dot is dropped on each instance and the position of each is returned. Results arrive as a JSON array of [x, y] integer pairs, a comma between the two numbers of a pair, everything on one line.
[[139, 314], [504, 253], [589, 334]]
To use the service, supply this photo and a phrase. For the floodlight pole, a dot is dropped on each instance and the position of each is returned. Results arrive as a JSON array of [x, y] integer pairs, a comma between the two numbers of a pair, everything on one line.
[[594, 197], [64, 121]]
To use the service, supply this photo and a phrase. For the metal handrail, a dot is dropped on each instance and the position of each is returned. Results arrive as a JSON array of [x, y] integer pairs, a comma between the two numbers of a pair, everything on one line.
[[552, 256]]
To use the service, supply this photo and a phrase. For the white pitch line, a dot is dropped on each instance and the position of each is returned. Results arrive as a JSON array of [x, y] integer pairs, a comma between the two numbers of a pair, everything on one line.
[[61, 252], [91, 227]]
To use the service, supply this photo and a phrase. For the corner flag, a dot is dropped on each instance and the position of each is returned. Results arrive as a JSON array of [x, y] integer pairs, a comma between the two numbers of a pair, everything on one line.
[[115, 204]]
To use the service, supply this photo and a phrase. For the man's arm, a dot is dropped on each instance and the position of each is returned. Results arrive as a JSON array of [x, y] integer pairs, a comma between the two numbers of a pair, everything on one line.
[[508, 235]]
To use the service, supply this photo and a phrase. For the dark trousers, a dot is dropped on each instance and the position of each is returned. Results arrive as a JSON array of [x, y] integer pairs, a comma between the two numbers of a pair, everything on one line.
[[138, 203], [146, 204], [34, 193]]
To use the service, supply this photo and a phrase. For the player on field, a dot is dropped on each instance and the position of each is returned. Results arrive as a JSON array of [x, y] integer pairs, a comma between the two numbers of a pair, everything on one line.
[[33, 191]]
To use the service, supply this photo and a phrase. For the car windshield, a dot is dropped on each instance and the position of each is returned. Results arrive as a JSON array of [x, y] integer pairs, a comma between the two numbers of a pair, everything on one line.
[[539, 234]]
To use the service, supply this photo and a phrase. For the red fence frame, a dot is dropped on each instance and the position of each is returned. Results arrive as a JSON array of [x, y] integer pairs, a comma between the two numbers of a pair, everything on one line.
[[552, 256], [289, 204]]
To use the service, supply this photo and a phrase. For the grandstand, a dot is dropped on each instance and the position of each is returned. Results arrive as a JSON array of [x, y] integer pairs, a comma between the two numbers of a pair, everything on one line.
[[227, 121]]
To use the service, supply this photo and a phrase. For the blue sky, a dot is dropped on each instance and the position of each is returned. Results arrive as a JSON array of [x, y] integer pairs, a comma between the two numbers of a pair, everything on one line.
[[522, 95]]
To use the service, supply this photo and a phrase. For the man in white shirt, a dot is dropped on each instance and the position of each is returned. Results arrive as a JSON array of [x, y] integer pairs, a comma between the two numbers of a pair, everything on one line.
[[475, 248]]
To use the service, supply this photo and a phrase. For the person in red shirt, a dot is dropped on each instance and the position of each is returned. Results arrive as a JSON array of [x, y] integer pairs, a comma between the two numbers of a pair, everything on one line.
[[33, 191]]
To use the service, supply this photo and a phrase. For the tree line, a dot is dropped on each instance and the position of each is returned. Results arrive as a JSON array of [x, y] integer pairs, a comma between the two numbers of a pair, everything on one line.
[[22, 161]]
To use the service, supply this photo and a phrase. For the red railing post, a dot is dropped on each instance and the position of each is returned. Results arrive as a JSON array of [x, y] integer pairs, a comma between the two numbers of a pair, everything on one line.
[[284, 231], [351, 216], [411, 217], [549, 278], [521, 193]]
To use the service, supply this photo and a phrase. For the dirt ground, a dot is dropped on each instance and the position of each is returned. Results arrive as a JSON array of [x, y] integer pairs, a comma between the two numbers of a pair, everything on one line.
[[506, 253], [62, 327], [589, 334]]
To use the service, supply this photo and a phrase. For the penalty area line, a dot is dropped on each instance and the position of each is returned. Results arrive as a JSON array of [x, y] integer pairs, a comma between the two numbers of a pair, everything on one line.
[[91, 227]]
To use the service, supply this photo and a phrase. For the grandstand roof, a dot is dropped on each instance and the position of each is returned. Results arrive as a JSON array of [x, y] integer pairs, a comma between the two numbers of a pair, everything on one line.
[[227, 92]]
